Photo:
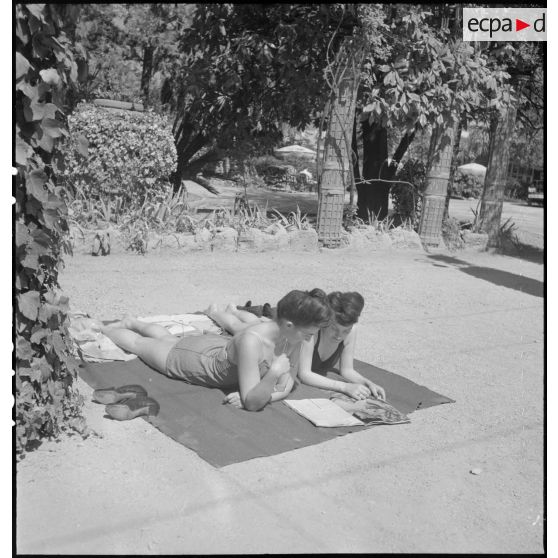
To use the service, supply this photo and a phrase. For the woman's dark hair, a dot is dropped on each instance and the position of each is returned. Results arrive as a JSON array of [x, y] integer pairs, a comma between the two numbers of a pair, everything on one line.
[[346, 307], [305, 308]]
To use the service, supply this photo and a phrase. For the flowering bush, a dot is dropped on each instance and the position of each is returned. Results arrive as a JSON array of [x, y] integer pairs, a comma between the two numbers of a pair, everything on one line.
[[128, 154]]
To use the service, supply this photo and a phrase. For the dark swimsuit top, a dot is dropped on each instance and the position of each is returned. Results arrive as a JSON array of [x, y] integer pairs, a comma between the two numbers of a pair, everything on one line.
[[322, 366]]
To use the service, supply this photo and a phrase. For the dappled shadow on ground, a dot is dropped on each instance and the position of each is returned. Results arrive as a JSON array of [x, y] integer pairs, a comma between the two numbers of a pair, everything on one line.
[[525, 252], [495, 276]]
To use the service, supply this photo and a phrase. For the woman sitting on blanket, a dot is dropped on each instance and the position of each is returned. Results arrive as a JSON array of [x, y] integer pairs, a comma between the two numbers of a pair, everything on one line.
[[333, 344], [255, 360]]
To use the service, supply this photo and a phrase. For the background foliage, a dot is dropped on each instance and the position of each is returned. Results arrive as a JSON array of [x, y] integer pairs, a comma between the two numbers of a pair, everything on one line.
[[46, 65], [123, 153]]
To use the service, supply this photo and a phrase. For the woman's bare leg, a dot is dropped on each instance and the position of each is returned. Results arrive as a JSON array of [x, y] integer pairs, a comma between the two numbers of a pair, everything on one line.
[[226, 320], [242, 315], [145, 329], [153, 351]]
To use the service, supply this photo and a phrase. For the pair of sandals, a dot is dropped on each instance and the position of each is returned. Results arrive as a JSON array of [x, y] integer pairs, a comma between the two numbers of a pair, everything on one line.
[[101, 245], [126, 402], [259, 311]]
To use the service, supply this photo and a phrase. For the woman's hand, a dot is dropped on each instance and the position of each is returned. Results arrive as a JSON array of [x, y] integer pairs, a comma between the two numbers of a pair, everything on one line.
[[376, 390], [282, 382], [280, 365], [356, 391], [234, 400]]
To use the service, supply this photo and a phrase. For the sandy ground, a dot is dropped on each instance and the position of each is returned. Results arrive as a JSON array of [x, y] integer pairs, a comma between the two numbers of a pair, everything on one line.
[[469, 325]]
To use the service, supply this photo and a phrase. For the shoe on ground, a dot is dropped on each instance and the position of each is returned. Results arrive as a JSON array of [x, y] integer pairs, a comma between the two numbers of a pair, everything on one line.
[[105, 244], [96, 250], [131, 408], [111, 395]]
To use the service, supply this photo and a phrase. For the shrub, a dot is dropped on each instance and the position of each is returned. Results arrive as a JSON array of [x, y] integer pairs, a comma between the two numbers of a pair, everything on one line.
[[451, 233], [467, 186], [516, 190], [123, 153]]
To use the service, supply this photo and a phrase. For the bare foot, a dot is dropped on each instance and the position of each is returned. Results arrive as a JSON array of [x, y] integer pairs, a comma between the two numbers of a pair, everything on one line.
[[125, 323], [211, 310], [230, 308]]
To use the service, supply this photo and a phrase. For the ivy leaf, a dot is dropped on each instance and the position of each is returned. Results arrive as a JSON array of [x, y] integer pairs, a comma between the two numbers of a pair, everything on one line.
[[41, 370], [37, 249], [24, 351], [51, 218], [42, 238], [37, 111], [28, 304], [38, 334], [22, 236], [36, 10], [30, 261], [23, 151], [22, 65], [50, 76], [47, 312], [46, 142], [22, 372], [54, 128], [36, 185], [22, 31], [35, 375], [30, 91], [58, 343]]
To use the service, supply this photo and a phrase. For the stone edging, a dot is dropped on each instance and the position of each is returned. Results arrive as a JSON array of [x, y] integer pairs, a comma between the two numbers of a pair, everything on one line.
[[252, 240], [255, 240]]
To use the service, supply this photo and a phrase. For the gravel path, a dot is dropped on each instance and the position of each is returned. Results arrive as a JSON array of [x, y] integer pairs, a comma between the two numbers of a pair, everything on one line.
[[467, 325]]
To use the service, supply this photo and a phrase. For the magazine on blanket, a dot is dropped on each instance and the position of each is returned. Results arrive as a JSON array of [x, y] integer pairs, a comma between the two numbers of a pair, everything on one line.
[[322, 412], [370, 410], [341, 410]]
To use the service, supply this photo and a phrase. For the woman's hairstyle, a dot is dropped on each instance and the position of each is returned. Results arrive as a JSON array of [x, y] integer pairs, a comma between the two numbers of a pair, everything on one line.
[[346, 307], [305, 308]]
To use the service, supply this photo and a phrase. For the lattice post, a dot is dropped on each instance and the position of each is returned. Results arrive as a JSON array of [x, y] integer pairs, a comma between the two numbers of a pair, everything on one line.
[[434, 201], [336, 169], [492, 199]]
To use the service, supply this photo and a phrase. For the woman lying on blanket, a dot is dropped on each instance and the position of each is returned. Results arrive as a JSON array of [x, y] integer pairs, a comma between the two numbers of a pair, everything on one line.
[[255, 360], [333, 344]]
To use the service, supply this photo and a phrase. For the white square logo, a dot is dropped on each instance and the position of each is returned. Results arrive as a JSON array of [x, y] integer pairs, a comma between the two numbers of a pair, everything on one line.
[[504, 24]]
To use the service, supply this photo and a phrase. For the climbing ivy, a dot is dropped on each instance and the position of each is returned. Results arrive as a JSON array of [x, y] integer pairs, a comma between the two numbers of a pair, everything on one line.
[[47, 63]]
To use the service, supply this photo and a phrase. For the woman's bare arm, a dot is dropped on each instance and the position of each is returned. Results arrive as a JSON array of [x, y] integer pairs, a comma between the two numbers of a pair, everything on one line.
[[346, 367], [255, 392]]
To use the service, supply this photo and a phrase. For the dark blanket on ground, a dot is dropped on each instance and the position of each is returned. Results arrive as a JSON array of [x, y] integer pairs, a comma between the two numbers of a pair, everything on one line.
[[221, 434]]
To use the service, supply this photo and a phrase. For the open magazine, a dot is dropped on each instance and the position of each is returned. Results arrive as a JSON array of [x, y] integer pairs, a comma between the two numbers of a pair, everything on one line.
[[370, 410], [341, 410]]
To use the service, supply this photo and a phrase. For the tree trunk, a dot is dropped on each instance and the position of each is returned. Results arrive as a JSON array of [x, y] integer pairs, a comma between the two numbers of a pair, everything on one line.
[[373, 196], [336, 170], [356, 178], [453, 167], [430, 225], [496, 175], [406, 140], [146, 72]]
